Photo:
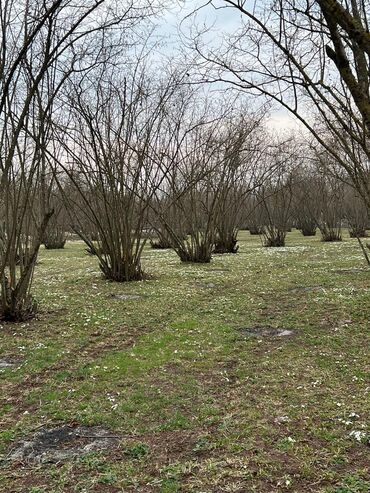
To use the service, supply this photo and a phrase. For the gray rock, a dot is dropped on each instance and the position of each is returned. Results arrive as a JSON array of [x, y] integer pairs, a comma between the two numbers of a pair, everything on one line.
[[266, 332], [125, 297], [59, 444], [4, 363]]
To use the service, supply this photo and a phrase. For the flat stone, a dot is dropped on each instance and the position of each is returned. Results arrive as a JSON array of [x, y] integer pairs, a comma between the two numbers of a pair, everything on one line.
[[125, 297], [5, 363], [266, 332], [281, 419], [59, 444]]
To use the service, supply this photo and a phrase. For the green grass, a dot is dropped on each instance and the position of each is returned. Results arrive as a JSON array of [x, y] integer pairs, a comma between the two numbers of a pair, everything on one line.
[[200, 407]]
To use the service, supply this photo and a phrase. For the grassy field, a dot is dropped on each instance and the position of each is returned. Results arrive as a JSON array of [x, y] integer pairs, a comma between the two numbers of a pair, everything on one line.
[[198, 406]]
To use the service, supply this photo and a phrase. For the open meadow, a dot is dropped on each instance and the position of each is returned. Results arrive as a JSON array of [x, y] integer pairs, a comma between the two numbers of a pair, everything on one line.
[[192, 388], [184, 246]]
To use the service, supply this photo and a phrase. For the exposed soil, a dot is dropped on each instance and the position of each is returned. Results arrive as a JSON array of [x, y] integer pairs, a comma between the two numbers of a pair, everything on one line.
[[61, 443]]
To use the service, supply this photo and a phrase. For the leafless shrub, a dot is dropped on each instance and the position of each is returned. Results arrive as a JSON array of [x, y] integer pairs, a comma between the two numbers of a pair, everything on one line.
[[255, 214], [330, 200], [192, 159], [305, 201], [276, 200], [274, 196], [313, 60], [242, 173], [356, 214], [42, 45], [55, 235], [116, 131]]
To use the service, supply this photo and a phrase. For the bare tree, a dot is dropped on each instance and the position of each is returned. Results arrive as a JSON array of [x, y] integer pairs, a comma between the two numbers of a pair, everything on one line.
[[242, 173], [355, 213], [112, 145], [191, 183], [254, 215], [164, 217], [272, 203], [276, 199], [201, 160], [330, 214], [305, 201], [42, 45], [55, 235], [312, 58]]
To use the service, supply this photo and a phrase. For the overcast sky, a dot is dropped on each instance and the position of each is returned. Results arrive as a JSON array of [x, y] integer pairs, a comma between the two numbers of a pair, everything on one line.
[[184, 15]]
